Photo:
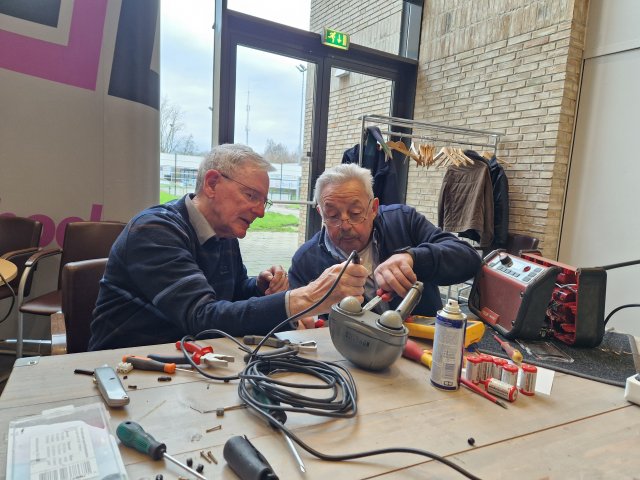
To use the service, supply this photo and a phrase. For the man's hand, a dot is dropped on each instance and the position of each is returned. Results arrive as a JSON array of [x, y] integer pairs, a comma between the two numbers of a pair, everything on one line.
[[273, 280], [351, 284], [396, 274]]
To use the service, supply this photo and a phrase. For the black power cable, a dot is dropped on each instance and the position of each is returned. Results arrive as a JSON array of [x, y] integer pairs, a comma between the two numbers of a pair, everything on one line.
[[618, 309], [258, 381]]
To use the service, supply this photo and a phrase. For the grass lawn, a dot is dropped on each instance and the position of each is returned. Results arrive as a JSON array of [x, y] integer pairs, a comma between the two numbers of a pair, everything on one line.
[[272, 221]]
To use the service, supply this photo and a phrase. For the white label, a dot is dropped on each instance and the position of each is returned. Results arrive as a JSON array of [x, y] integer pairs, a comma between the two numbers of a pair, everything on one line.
[[65, 453]]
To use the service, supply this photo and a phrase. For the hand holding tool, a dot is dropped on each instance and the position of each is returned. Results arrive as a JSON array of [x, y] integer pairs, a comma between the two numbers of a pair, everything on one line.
[[413, 351], [476, 389], [133, 435], [381, 296], [513, 353]]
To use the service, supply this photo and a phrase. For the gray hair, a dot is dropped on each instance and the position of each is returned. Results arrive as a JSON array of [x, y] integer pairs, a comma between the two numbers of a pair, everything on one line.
[[342, 174], [227, 158]]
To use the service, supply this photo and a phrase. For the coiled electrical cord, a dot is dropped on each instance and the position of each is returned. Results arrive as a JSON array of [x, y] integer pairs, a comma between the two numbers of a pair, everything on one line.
[[266, 394]]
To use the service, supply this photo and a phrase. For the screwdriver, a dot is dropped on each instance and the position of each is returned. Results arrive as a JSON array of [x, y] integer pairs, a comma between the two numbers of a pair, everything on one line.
[[513, 353], [133, 435], [413, 351], [144, 363], [381, 296], [280, 416]]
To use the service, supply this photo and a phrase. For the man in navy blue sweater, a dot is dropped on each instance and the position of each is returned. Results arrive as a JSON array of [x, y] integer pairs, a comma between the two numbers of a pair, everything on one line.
[[396, 244], [176, 269]]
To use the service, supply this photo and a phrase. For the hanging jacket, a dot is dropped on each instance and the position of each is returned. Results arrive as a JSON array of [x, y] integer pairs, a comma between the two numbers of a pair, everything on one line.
[[385, 176], [466, 202], [500, 191]]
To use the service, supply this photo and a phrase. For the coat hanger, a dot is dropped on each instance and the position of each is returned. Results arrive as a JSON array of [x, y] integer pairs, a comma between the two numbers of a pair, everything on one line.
[[399, 146]]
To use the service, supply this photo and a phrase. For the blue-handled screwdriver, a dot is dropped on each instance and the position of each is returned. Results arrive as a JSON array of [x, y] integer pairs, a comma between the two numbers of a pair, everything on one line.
[[133, 435]]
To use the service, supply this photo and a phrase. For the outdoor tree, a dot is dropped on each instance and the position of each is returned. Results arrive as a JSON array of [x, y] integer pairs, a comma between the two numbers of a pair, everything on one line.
[[278, 153], [172, 140]]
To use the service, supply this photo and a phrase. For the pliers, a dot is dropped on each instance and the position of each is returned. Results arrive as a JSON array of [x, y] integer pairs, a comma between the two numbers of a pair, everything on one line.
[[202, 356], [308, 346], [381, 296]]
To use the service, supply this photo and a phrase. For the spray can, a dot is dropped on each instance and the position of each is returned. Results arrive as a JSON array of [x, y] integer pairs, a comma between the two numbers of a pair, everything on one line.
[[448, 344]]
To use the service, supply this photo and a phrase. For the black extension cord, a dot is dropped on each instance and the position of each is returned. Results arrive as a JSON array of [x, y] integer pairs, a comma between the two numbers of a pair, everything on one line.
[[267, 395]]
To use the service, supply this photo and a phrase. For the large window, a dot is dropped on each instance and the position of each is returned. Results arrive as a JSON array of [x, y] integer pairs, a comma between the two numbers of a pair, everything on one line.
[[186, 64]]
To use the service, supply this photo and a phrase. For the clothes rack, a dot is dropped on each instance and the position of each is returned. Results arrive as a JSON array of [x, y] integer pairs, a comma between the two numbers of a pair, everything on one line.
[[428, 131]]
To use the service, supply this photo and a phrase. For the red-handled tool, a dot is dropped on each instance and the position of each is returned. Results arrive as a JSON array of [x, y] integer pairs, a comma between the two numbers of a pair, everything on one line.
[[513, 353], [381, 296], [413, 351], [197, 351]]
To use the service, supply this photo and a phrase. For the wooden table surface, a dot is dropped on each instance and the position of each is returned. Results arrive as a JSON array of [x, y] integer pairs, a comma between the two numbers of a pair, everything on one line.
[[8, 270], [583, 429]]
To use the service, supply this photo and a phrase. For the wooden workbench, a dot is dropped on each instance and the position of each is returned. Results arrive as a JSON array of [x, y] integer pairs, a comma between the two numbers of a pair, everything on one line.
[[583, 430]]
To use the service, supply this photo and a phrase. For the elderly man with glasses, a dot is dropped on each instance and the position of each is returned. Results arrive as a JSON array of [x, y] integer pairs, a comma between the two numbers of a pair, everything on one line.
[[395, 243], [177, 270]]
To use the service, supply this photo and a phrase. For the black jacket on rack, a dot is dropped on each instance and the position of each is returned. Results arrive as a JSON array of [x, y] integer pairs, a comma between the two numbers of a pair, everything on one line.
[[500, 186], [385, 175]]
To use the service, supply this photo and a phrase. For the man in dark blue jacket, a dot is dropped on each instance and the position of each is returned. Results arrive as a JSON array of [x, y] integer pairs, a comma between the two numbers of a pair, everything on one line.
[[176, 269], [396, 244]]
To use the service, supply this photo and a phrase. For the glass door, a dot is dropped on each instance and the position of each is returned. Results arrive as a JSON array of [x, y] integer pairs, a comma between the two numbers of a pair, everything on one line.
[[273, 107]]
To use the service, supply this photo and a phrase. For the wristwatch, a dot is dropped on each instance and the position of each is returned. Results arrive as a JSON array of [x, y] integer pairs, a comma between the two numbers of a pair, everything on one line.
[[408, 250]]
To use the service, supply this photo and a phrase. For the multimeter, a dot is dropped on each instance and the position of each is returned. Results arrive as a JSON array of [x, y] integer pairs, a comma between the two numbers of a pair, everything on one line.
[[425, 327]]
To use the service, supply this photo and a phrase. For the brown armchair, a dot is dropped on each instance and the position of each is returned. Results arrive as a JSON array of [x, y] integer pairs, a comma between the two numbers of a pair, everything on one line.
[[19, 239], [70, 330], [82, 241]]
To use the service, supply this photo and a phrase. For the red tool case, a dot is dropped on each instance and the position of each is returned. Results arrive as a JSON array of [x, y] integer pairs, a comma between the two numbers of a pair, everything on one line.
[[575, 314]]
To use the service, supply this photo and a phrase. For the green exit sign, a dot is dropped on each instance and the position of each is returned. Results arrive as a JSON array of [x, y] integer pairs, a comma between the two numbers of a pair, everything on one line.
[[336, 39]]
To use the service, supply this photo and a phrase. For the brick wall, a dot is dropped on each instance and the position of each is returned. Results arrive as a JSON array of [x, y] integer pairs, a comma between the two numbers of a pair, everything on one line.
[[510, 66]]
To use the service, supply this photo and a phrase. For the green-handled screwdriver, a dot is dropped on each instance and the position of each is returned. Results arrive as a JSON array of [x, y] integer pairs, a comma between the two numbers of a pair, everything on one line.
[[134, 436]]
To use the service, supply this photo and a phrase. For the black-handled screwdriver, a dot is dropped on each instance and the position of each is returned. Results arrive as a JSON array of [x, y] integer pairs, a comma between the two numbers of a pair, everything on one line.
[[133, 435], [280, 416]]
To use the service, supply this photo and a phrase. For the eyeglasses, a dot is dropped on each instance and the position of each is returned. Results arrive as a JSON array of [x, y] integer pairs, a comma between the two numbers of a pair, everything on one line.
[[352, 218], [252, 195]]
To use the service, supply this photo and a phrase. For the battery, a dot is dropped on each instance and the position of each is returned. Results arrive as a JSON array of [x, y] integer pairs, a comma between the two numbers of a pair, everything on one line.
[[472, 370], [510, 374], [486, 367], [498, 364], [528, 379], [501, 389]]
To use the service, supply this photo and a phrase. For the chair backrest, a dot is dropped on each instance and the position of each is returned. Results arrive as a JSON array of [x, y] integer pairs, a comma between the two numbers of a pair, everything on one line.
[[516, 243], [19, 239], [80, 286], [87, 240], [17, 233]]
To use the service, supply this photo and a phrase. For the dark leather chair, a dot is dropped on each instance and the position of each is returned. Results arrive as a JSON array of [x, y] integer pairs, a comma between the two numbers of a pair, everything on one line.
[[19, 239], [82, 241], [70, 330]]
